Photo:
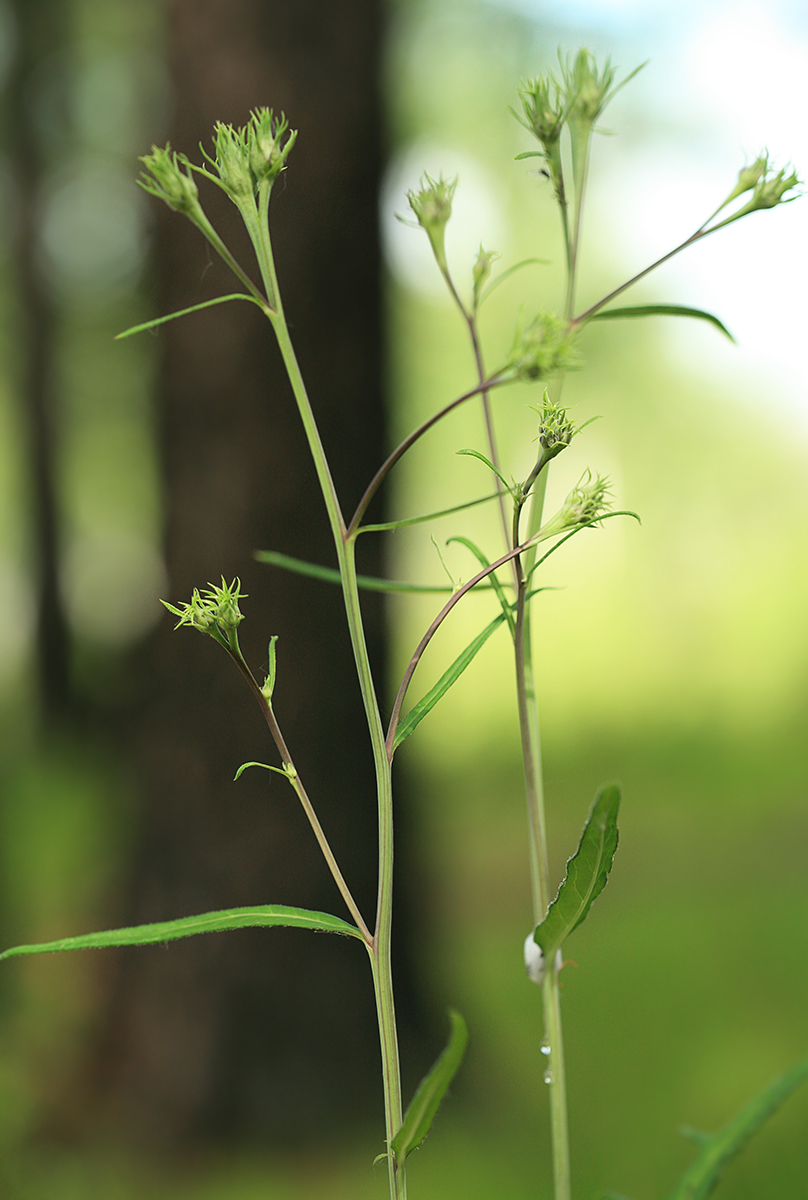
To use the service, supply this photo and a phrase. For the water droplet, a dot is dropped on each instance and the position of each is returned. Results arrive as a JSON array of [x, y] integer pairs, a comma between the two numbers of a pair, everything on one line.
[[545, 1046], [548, 1076]]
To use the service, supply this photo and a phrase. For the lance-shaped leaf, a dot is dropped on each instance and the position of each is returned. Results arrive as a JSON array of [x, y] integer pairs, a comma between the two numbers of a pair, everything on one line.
[[450, 676], [662, 310], [431, 1090], [587, 873], [184, 312], [720, 1148], [212, 922], [367, 583]]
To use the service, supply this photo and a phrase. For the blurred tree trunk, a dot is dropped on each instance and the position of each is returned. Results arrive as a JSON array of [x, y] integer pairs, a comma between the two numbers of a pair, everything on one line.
[[261, 1031], [41, 29]]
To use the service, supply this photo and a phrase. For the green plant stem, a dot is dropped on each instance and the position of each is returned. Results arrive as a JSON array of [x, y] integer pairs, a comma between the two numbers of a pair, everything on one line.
[[557, 1081], [302, 794], [345, 544]]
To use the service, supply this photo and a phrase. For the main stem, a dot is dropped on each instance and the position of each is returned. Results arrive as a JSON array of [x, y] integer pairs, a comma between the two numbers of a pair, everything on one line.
[[380, 949]]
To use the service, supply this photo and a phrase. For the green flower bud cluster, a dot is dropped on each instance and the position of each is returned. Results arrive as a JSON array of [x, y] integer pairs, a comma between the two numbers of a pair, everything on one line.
[[556, 430], [768, 189], [542, 349], [432, 206], [214, 611], [165, 179], [585, 505], [255, 154]]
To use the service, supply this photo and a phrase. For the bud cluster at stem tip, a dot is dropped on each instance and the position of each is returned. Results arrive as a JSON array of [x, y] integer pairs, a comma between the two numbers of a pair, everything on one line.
[[585, 505], [256, 154], [541, 349], [768, 187], [556, 430], [432, 206], [214, 611], [165, 178]]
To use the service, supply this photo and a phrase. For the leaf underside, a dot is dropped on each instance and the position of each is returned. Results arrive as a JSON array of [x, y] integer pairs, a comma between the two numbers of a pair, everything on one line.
[[587, 873], [431, 1090], [718, 1149], [212, 922]]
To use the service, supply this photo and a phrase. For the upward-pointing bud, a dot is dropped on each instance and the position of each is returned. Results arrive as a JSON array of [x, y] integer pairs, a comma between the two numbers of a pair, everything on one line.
[[432, 206]]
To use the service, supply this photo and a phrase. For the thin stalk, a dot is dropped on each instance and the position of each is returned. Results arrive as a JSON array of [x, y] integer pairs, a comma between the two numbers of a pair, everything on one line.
[[302, 794], [557, 1079], [344, 543]]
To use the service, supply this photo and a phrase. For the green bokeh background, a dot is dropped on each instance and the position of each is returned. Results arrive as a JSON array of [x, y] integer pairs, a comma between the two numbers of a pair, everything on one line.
[[673, 656]]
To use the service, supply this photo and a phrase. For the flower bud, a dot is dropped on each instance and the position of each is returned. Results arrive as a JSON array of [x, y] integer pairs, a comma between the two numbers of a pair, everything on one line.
[[585, 505], [268, 150], [214, 611], [481, 271], [165, 179], [542, 349], [432, 206]]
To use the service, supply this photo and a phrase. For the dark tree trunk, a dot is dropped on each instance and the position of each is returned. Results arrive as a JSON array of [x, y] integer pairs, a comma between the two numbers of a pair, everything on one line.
[[265, 1032], [41, 33]]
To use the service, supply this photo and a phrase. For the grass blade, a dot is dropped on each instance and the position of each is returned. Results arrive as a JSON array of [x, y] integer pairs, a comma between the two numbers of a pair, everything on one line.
[[431, 1090], [662, 310], [720, 1148], [587, 873], [212, 922]]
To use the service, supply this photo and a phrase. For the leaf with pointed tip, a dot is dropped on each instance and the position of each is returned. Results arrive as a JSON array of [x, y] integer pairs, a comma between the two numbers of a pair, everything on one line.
[[431, 1090], [212, 922], [425, 705], [427, 702], [662, 310], [718, 1150], [504, 603], [526, 262], [331, 574], [184, 312], [587, 873], [488, 463], [266, 766]]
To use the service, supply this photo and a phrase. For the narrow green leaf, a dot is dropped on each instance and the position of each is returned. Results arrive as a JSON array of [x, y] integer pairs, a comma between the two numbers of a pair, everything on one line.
[[183, 312], [431, 1090], [661, 310], [384, 526], [718, 1150], [488, 463], [331, 575], [526, 262], [427, 702], [212, 922], [504, 603], [266, 766], [587, 873], [425, 705]]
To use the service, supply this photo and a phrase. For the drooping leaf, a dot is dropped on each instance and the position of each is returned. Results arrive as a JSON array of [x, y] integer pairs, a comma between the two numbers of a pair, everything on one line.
[[184, 312], [431, 1090], [719, 1149], [266, 766], [488, 463], [212, 922], [587, 873], [661, 310]]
